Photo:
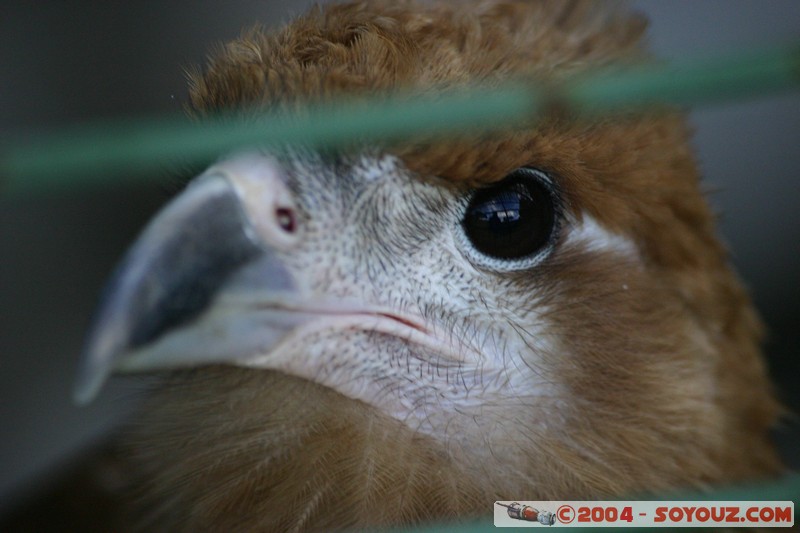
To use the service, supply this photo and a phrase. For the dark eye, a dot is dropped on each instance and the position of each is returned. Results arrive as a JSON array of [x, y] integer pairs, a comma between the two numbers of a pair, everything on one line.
[[513, 219]]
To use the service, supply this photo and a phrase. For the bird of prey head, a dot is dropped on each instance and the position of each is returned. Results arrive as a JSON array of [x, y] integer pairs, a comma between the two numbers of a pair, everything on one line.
[[393, 334]]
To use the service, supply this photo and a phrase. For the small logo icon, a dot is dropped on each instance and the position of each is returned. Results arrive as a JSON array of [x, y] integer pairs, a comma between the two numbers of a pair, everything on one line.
[[518, 511], [565, 514]]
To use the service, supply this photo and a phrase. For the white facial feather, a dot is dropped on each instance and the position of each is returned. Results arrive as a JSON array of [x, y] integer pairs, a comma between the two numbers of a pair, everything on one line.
[[590, 235], [374, 235]]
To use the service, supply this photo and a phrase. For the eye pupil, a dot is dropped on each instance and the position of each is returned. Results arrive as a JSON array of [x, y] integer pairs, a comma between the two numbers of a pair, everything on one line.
[[512, 219]]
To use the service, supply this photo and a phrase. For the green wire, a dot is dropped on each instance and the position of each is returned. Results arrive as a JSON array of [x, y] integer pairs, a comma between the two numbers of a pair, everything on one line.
[[94, 152], [693, 82]]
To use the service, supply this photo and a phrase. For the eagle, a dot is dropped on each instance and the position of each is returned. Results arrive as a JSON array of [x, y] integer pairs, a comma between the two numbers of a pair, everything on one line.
[[395, 334]]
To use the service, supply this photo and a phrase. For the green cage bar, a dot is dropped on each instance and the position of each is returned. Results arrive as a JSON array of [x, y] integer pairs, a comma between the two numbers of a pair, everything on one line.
[[87, 153]]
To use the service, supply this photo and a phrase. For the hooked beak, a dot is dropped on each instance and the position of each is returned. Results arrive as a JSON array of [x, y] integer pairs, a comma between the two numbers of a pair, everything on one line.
[[216, 242]]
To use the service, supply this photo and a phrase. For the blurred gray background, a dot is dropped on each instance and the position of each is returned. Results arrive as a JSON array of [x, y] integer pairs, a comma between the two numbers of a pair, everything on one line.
[[63, 63]]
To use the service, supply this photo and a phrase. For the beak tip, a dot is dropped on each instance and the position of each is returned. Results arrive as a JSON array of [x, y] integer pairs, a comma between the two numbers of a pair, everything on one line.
[[91, 376], [85, 391], [106, 338]]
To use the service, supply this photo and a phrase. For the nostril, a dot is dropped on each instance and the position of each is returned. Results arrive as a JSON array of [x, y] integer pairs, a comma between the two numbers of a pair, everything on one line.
[[267, 203], [286, 219]]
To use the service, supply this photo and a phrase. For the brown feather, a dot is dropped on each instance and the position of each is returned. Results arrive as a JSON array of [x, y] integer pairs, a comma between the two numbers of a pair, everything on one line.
[[666, 384]]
